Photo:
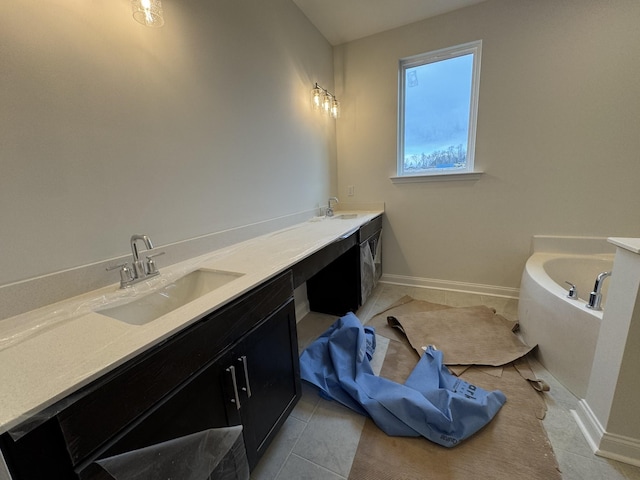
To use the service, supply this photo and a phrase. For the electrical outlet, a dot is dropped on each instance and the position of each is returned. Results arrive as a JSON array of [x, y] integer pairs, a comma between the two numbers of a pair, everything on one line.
[[351, 190]]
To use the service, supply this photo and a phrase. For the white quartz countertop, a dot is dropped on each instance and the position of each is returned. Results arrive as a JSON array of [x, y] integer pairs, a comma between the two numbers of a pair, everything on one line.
[[51, 352], [631, 244]]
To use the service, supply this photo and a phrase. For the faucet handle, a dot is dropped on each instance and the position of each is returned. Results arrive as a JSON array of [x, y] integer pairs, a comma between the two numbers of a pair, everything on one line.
[[152, 269], [329, 212], [573, 291], [126, 275]]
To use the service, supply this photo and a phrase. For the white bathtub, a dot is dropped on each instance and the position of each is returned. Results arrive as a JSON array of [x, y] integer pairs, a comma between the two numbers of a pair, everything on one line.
[[565, 330]]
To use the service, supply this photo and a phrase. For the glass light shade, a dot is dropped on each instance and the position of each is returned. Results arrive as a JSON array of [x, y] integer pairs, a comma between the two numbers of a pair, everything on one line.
[[327, 100], [335, 108], [148, 12], [316, 97]]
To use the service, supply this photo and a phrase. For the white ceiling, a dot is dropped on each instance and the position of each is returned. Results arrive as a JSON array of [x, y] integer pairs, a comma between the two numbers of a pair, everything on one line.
[[341, 21]]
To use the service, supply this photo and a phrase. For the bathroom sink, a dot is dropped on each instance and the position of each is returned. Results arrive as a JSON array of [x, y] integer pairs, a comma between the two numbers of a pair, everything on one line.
[[184, 290], [345, 216]]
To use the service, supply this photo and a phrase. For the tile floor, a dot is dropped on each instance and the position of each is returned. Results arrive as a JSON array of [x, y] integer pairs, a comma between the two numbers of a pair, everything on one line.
[[319, 440]]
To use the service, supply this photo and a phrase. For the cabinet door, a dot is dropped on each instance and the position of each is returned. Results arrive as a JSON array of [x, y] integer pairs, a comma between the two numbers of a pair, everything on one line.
[[195, 406], [268, 379]]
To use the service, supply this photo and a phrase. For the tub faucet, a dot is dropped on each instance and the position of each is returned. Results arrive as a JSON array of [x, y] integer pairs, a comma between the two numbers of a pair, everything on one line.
[[595, 297], [573, 291], [329, 209]]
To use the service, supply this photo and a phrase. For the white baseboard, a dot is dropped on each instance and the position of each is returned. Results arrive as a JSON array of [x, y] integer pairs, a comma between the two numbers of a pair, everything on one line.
[[620, 448], [589, 424], [436, 284], [609, 445]]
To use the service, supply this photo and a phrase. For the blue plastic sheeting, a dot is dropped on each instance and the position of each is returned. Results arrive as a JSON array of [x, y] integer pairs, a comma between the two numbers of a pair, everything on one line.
[[432, 403]]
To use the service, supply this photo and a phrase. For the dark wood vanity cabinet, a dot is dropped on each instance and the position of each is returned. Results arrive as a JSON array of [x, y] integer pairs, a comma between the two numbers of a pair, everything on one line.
[[334, 274], [265, 384], [237, 365]]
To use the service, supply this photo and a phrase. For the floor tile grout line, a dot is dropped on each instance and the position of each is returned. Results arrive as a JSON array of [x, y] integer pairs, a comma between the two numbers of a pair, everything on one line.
[[277, 475], [319, 466], [315, 409], [295, 444]]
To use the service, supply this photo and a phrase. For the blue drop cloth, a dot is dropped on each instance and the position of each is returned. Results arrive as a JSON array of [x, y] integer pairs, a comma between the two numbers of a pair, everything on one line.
[[432, 403]]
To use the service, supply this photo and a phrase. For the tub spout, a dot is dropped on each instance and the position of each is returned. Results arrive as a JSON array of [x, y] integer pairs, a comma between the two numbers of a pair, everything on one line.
[[595, 297]]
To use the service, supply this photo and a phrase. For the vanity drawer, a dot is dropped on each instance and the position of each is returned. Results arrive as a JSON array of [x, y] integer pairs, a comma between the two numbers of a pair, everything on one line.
[[310, 266], [369, 228]]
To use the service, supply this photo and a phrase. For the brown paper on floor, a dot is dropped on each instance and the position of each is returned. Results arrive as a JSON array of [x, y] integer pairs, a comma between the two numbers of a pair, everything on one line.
[[467, 335], [490, 335], [405, 305], [512, 446]]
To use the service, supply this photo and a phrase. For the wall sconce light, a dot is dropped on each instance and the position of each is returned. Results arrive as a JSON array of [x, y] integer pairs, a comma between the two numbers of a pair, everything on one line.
[[148, 12], [323, 100]]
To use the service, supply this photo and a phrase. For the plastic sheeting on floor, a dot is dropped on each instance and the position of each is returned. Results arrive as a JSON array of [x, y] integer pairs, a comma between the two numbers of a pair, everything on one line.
[[431, 403]]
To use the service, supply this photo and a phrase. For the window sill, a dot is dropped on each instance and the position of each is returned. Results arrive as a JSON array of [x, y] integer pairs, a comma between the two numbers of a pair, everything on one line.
[[438, 177]]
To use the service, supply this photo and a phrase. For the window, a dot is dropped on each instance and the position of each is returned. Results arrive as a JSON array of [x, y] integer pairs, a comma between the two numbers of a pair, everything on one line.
[[438, 103]]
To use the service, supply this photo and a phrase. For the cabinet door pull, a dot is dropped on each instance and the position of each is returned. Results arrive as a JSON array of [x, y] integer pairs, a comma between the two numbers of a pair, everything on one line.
[[247, 387], [236, 399]]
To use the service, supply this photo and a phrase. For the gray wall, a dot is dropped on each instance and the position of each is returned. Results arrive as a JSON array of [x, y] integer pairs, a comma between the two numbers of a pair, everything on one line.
[[558, 136], [109, 128]]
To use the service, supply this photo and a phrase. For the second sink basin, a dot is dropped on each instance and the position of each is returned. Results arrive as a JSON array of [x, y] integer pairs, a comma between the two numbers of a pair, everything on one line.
[[184, 290]]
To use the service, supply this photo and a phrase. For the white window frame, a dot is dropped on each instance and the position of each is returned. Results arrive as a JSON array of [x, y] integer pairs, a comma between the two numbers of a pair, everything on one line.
[[468, 173]]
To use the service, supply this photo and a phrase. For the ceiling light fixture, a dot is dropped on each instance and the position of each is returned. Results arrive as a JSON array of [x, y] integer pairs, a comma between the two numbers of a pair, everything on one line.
[[148, 12]]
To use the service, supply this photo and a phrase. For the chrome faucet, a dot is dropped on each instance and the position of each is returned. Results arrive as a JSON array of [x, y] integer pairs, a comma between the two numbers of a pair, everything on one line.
[[139, 270], [595, 297], [329, 209], [573, 291]]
